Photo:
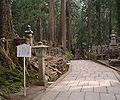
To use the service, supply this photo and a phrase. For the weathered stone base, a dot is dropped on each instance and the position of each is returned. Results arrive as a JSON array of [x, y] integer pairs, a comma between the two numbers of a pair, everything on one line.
[[42, 83]]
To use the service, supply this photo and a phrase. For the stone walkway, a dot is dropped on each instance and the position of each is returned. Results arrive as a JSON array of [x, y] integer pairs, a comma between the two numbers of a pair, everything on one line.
[[87, 81]]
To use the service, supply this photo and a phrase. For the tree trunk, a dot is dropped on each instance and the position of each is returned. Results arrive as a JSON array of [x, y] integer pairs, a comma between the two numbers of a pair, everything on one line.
[[63, 23], [39, 35], [6, 30], [51, 22], [110, 21], [99, 22], [118, 15], [90, 19], [69, 27], [6, 27], [98, 10]]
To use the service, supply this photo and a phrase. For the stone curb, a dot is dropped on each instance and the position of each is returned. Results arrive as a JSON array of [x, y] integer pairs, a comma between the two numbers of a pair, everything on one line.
[[115, 70], [103, 63], [53, 85]]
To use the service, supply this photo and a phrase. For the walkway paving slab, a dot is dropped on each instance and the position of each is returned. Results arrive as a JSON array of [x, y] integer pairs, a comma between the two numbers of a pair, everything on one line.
[[86, 81], [107, 96], [77, 96], [92, 96]]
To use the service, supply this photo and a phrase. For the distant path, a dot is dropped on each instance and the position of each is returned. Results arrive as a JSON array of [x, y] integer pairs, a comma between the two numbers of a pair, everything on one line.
[[87, 81]]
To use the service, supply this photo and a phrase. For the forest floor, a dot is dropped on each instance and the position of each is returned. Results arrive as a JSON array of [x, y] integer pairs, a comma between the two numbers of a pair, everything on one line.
[[31, 93], [34, 90]]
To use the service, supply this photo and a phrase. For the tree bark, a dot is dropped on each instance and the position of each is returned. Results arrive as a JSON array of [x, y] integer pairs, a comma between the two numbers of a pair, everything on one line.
[[39, 34], [6, 31], [6, 27], [98, 10], [5, 60], [69, 27], [99, 22], [118, 14], [110, 21], [63, 23], [51, 22], [90, 19]]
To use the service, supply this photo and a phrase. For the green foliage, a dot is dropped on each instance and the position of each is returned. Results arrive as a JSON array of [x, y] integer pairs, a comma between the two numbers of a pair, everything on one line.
[[31, 78], [12, 80], [61, 49], [100, 34], [6, 57], [26, 12], [68, 55], [9, 80]]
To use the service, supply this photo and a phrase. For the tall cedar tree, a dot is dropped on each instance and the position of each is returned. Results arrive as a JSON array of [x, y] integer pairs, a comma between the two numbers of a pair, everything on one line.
[[63, 23], [69, 27], [90, 19], [51, 22], [118, 13], [39, 33], [6, 30], [6, 27]]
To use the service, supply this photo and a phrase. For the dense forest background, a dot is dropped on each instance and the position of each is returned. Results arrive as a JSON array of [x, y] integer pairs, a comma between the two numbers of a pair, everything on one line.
[[69, 23], [87, 21]]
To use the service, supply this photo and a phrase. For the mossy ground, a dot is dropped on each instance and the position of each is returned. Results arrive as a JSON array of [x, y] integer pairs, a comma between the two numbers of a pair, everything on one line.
[[11, 81]]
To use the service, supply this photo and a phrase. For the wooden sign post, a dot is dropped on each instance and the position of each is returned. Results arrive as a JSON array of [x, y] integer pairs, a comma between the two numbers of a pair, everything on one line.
[[24, 50]]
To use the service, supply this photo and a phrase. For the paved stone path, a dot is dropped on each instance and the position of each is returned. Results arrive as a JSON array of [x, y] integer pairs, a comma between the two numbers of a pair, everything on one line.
[[87, 81]]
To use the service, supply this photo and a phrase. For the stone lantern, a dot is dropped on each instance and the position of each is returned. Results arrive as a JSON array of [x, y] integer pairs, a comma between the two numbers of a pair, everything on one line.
[[40, 53]]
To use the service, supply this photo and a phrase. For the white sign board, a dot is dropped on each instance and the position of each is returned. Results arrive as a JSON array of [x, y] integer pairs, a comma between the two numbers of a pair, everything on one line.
[[24, 50]]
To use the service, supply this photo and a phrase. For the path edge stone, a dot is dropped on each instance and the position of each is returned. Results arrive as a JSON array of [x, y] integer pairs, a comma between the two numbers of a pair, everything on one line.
[[113, 68]]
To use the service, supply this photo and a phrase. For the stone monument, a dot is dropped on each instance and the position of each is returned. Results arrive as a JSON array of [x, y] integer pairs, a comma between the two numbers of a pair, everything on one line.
[[94, 49], [113, 51], [29, 35], [113, 47]]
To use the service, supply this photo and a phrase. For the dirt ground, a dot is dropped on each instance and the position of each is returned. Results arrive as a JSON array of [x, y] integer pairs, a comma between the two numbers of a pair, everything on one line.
[[31, 93]]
